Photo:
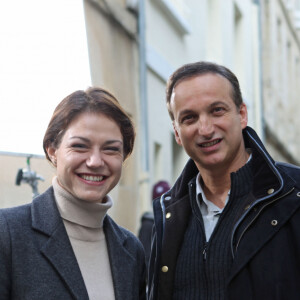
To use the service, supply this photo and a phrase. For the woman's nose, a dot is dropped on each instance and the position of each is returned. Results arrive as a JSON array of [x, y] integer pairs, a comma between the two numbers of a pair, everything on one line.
[[95, 160]]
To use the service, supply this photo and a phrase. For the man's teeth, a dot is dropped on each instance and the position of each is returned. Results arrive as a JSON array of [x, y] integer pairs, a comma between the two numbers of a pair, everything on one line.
[[210, 143], [92, 178]]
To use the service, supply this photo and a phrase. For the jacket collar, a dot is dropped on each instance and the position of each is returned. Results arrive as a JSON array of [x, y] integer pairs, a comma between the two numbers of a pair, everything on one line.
[[265, 166], [270, 184], [121, 260], [55, 244], [56, 247]]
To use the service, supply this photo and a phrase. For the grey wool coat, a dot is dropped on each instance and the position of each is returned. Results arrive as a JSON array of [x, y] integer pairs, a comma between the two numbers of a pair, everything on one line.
[[37, 260]]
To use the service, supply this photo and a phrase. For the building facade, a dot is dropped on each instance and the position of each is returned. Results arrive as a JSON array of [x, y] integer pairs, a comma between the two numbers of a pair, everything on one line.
[[133, 48], [179, 32], [281, 77]]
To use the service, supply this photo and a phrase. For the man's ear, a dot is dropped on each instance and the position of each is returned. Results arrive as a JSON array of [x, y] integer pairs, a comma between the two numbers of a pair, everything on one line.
[[244, 115], [52, 154], [177, 137]]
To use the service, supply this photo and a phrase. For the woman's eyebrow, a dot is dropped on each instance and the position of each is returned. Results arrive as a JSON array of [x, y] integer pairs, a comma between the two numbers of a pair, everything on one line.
[[114, 141], [81, 138]]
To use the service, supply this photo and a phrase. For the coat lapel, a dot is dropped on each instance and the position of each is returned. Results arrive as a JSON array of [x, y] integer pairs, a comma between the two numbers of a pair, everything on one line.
[[55, 245], [123, 265], [263, 231]]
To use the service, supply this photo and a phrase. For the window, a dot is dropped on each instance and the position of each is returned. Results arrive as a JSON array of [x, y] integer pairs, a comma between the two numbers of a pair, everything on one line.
[[177, 12]]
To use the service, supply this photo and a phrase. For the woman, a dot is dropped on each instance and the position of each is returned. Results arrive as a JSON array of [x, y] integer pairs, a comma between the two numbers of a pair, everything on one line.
[[63, 245]]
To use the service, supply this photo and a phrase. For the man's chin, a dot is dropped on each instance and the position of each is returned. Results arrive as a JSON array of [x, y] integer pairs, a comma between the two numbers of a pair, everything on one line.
[[210, 164]]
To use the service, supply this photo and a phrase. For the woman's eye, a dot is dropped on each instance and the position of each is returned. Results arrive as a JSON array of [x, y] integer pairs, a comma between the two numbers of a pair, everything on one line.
[[113, 149], [80, 146]]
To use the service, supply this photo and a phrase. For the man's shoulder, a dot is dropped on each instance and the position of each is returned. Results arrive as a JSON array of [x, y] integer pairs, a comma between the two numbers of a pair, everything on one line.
[[147, 216], [290, 169]]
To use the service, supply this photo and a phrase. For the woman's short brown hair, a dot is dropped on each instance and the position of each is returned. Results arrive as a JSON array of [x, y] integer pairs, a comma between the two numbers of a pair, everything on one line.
[[94, 99]]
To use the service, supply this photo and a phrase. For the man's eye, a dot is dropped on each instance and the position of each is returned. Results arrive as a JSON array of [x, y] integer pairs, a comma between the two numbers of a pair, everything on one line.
[[186, 118], [218, 109]]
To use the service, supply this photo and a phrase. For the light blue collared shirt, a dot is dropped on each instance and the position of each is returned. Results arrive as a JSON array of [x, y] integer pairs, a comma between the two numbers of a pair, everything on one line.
[[210, 212]]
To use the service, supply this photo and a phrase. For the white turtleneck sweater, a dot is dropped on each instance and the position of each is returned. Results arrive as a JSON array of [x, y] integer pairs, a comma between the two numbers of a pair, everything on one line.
[[84, 224]]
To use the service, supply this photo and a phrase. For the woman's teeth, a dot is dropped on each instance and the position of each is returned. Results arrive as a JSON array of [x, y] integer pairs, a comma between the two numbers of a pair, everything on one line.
[[92, 178]]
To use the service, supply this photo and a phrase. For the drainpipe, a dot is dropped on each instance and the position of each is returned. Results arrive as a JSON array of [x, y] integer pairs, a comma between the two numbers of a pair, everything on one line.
[[143, 88], [260, 49]]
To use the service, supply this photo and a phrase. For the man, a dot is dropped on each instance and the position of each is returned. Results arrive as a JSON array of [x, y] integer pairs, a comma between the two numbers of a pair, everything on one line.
[[229, 228]]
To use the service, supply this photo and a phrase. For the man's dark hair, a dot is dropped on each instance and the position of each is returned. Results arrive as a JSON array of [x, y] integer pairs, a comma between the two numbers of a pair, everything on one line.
[[200, 68]]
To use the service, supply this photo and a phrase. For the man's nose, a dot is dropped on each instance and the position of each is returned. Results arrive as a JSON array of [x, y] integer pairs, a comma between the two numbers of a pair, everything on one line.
[[205, 126]]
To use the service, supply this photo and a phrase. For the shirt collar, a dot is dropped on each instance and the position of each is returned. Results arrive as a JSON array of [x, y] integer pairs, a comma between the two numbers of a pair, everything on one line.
[[206, 204], [209, 206]]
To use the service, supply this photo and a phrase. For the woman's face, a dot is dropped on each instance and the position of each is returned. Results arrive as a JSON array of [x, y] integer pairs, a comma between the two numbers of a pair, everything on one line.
[[90, 156]]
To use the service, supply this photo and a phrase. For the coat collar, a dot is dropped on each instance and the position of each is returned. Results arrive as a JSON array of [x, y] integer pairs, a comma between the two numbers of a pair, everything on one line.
[[271, 185], [55, 245], [121, 260], [265, 165], [266, 227]]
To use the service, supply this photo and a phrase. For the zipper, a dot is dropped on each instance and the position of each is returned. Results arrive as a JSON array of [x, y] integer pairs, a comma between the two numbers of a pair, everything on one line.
[[205, 252], [200, 220], [262, 208]]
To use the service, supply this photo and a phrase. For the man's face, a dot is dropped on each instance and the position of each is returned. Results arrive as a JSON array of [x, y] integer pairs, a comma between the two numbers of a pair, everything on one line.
[[207, 122]]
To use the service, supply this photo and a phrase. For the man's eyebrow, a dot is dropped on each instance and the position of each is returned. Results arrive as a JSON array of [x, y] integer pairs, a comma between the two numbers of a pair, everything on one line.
[[185, 111], [212, 105], [216, 103]]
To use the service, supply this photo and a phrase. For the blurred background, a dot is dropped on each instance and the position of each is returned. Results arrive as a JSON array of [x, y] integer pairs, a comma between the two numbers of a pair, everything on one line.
[[49, 49]]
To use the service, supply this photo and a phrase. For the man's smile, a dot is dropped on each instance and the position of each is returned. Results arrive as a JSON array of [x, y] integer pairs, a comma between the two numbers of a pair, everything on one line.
[[211, 143]]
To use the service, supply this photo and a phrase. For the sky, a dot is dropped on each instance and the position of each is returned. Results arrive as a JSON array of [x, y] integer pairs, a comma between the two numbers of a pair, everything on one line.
[[43, 58]]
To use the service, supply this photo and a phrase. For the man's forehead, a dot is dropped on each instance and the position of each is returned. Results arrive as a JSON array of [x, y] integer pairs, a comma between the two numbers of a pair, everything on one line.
[[172, 95], [208, 82]]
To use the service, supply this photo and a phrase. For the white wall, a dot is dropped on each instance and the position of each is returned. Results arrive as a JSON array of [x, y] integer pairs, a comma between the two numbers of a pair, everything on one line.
[[209, 33], [43, 58]]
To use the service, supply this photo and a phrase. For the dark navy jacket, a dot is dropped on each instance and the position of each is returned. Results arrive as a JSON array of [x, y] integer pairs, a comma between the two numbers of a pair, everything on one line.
[[265, 241]]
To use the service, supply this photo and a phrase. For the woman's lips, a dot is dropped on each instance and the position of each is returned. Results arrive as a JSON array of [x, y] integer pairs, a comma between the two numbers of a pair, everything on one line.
[[93, 178]]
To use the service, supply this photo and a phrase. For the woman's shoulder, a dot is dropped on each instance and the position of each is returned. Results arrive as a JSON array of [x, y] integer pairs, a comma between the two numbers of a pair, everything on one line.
[[19, 214], [13, 220], [15, 212]]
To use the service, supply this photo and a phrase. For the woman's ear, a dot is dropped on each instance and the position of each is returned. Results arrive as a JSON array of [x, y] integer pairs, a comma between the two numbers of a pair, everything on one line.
[[52, 155]]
